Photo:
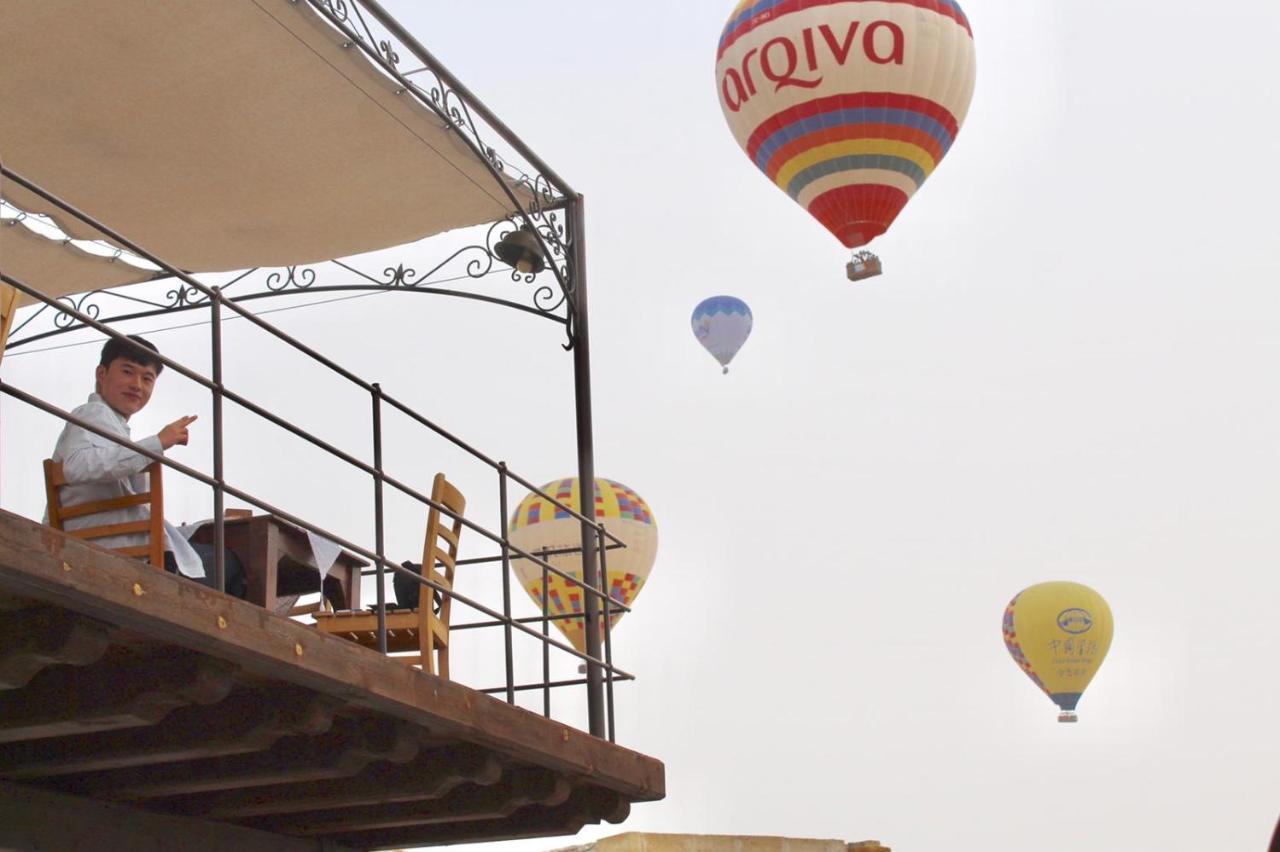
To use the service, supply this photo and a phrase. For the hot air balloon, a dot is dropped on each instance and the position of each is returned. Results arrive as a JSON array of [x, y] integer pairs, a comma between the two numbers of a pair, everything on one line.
[[538, 523], [1058, 633], [722, 324], [847, 106]]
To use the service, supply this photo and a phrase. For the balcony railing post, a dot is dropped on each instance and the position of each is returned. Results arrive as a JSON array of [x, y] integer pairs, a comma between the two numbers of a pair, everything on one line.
[[506, 582], [378, 525], [586, 462], [608, 635], [546, 649], [219, 523]]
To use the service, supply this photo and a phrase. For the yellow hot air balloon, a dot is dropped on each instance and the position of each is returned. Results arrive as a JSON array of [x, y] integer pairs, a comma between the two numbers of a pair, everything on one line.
[[1059, 633], [538, 523]]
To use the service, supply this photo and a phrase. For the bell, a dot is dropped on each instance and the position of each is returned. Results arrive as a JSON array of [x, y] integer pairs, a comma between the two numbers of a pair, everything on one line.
[[520, 249]]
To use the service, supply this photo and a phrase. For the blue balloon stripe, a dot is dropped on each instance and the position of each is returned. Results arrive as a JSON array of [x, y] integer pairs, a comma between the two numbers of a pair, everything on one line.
[[853, 163], [728, 305], [843, 117]]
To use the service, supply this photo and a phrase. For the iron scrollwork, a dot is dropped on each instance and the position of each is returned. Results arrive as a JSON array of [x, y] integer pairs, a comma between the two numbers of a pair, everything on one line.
[[471, 262], [536, 201], [451, 106], [291, 277]]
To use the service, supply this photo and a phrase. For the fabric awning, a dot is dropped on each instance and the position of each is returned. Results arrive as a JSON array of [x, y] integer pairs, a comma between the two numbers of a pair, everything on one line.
[[57, 267], [224, 135]]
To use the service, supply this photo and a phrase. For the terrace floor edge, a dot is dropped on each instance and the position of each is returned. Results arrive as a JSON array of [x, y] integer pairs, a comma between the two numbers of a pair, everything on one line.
[[124, 686]]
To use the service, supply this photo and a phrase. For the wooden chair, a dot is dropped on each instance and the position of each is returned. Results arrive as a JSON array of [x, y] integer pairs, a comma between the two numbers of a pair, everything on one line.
[[153, 527], [419, 630]]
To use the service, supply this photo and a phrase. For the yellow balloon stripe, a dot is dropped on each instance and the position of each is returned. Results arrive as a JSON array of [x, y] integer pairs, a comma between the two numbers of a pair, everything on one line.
[[854, 147]]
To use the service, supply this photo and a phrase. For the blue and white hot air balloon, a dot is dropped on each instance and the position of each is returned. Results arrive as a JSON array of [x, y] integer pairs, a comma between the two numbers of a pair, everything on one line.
[[722, 324]]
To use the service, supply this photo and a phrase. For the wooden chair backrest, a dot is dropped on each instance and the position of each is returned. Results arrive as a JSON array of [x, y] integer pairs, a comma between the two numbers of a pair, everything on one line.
[[439, 550], [153, 527]]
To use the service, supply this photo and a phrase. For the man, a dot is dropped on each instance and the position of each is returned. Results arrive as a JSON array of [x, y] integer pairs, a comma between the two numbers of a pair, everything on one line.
[[98, 468]]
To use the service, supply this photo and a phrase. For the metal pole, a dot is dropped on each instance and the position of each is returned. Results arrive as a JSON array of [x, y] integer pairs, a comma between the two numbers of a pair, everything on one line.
[[546, 649], [586, 463], [219, 523], [506, 582], [378, 517], [608, 634]]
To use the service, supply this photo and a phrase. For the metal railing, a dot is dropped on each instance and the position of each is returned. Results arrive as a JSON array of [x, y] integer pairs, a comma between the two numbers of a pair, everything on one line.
[[596, 538]]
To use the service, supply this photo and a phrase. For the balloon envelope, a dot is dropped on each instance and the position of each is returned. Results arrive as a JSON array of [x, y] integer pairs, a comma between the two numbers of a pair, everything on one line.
[[722, 324], [847, 106], [1058, 633], [538, 523]]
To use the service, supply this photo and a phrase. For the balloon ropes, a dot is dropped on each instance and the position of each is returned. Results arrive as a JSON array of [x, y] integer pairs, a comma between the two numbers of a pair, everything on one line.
[[847, 105], [538, 523], [1058, 633], [722, 324]]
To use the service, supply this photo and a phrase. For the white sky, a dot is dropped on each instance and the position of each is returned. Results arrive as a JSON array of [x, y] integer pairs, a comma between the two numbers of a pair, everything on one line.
[[1066, 372]]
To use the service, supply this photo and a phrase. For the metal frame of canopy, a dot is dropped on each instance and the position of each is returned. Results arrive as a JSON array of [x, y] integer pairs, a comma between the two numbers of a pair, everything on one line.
[[371, 30]]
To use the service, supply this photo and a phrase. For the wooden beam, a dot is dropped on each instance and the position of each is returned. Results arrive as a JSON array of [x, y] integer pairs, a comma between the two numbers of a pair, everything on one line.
[[35, 638], [12, 603], [430, 775], [39, 819], [244, 723], [347, 748], [123, 692], [102, 585], [585, 805], [520, 788]]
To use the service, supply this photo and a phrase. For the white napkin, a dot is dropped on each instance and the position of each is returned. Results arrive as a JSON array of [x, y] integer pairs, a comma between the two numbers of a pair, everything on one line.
[[189, 564], [323, 552]]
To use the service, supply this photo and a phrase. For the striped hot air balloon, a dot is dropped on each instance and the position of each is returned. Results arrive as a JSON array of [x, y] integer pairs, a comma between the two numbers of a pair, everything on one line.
[[847, 105]]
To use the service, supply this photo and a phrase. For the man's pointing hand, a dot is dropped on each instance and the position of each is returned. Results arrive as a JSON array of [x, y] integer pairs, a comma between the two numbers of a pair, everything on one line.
[[176, 432]]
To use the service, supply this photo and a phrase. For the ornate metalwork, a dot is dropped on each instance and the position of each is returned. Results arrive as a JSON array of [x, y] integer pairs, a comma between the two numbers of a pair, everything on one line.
[[537, 202], [291, 277], [468, 263], [337, 8], [451, 106]]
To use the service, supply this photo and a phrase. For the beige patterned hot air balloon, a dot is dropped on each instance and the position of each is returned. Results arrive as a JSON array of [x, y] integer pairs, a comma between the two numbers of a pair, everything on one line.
[[538, 523]]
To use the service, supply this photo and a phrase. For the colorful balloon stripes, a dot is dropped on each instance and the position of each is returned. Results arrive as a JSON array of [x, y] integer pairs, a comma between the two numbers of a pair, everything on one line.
[[848, 106]]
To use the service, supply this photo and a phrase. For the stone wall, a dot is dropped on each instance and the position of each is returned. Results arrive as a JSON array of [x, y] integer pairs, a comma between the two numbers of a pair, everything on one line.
[[639, 842]]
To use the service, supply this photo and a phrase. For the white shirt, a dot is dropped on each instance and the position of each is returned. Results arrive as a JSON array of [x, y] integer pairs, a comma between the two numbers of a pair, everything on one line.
[[100, 469]]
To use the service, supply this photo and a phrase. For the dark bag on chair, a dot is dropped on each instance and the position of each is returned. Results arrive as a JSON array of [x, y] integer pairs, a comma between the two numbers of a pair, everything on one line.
[[407, 589]]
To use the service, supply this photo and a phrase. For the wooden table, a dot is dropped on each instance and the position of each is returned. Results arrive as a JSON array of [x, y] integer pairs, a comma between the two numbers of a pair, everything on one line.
[[278, 562]]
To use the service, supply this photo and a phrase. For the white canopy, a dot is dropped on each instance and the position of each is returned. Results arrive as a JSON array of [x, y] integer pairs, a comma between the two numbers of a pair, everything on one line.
[[219, 135], [49, 264]]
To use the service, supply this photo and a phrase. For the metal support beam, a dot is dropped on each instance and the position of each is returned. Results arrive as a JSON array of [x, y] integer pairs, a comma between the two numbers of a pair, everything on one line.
[[586, 463], [38, 819]]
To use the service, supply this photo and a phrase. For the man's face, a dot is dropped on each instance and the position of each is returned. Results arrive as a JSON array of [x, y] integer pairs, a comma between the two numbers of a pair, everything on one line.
[[126, 385]]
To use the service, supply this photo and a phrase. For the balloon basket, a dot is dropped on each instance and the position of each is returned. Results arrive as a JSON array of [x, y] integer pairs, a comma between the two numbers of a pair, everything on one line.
[[863, 265], [1068, 716]]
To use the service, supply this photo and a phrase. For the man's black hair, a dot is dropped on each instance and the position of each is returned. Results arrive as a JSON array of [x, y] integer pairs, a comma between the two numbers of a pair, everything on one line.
[[135, 351]]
